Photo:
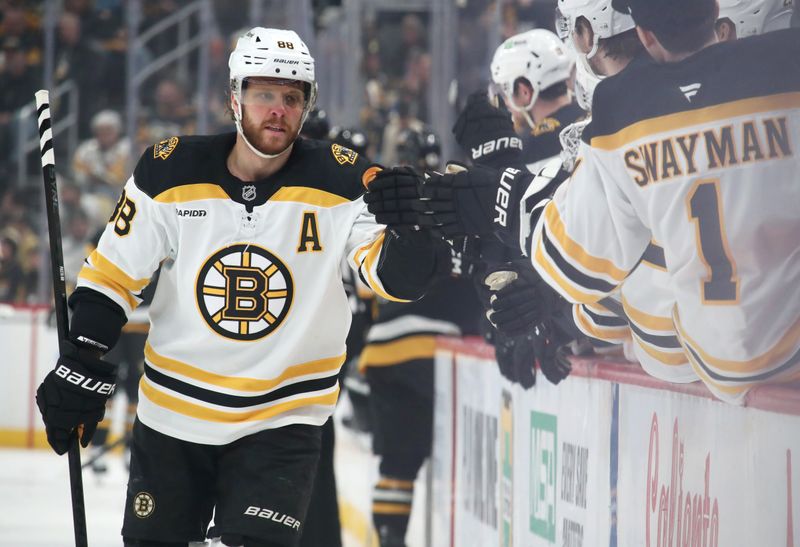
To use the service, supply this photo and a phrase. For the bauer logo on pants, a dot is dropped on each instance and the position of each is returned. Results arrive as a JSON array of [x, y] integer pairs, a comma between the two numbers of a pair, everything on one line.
[[244, 292], [143, 505]]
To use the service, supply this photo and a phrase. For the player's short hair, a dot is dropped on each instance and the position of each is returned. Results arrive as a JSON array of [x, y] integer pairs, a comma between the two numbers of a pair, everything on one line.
[[552, 92], [690, 38], [625, 45]]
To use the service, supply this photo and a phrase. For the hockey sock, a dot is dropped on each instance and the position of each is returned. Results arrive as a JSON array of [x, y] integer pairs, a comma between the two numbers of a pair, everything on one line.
[[391, 509]]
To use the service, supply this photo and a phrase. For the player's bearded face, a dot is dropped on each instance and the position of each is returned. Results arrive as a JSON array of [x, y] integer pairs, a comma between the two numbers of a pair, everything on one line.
[[271, 113]]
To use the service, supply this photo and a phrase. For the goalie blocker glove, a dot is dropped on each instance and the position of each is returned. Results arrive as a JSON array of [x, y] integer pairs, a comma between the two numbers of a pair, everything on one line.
[[73, 396], [487, 134]]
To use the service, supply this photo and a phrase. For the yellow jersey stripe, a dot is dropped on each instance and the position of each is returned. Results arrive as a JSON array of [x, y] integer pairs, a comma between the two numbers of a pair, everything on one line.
[[384, 508], [651, 322], [663, 357], [570, 248], [102, 264], [320, 366], [100, 278], [710, 114], [782, 350], [575, 294], [399, 351], [200, 412], [608, 334], [191, 192], [311, 196], [395, 484], [369, 265]]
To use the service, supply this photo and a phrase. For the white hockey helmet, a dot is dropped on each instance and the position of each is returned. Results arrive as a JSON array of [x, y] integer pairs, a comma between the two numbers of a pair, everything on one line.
[[605, 21], [271, 53], [753, 17], [537, 56]]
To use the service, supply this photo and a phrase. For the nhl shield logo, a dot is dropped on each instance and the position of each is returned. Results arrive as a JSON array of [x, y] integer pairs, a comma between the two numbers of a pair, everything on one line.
[[244, 292], [343, 155], [249, 192], [164, 148]]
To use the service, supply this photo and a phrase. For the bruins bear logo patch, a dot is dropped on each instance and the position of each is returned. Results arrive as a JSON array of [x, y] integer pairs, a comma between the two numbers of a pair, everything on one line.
[[244, 292], [343, 155], [164, 148]]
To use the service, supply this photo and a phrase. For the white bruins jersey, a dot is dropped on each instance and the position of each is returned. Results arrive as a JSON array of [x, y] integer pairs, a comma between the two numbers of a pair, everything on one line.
[[249, 317], [641, 314], [702, 156]]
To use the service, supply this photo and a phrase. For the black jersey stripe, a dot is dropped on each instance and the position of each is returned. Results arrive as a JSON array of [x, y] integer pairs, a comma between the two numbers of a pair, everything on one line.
[[792, 361], [574, 275], [605, 320], [658, 340], [654, 255], [236, 401]]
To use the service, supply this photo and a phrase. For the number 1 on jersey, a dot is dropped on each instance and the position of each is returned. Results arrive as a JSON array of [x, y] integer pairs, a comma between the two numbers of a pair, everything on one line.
[[721, 285]]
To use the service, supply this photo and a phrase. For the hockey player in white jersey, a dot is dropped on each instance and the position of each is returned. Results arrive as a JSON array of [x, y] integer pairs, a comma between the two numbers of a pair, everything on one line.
[[606, 42], [249, 317], [530, 73], [678, 150], [743, 18]]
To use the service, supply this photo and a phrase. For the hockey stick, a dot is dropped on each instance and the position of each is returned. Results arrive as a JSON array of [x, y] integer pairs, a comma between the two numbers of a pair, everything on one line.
[[60, 295]]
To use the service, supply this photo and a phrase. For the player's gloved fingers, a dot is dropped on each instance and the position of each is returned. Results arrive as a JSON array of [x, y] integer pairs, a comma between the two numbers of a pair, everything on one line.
[[514, 326], [392, 184], [433, 206], [58, 439], [86, 432], [513, 296]]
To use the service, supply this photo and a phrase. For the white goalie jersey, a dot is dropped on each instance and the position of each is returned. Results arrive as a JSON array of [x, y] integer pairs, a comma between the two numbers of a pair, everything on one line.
[[249, 318], [705, 162]]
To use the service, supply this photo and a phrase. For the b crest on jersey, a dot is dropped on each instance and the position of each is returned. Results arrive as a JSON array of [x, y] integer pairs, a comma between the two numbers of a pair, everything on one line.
[[244, 292], [164, 148], [343, 155]]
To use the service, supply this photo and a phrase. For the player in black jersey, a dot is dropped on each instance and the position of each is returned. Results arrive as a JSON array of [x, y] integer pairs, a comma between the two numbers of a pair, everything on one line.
[[398, 361], [249, 316]]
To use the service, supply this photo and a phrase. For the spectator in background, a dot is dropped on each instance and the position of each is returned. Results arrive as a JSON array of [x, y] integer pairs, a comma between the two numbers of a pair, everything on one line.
[[172, 113], [396, 44], [74, 243], [81, 61], [11, 274], [416, 81], [100, 164], [97, 205], [22, 23], [401, 120], [19, 79], [19, 82]]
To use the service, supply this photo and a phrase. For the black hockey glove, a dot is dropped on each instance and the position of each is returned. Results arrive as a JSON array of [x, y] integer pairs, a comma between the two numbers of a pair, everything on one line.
[[523, 303], [479, 201], [551, 352], [487, 133], [391, 197], [73, 396], [515, 358]]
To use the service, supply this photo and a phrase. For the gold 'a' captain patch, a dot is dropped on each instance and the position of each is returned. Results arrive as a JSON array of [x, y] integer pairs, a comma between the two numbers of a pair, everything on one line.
[[343, 155], [164, 148]]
